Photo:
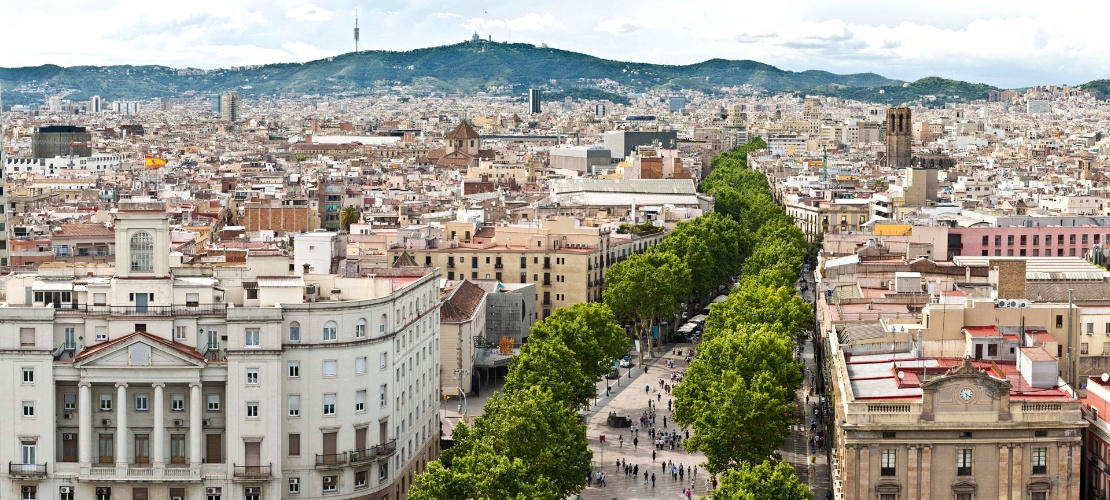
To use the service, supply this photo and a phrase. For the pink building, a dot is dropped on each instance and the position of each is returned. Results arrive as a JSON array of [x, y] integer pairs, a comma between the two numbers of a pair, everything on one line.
[[1019, 241]]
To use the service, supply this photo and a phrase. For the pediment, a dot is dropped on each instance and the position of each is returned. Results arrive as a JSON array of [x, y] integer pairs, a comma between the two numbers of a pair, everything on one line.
[[966, 374], [140, 350]]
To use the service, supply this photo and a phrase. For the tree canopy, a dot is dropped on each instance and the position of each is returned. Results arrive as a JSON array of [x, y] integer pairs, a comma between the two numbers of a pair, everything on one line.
[[763, 481], [590, 331]]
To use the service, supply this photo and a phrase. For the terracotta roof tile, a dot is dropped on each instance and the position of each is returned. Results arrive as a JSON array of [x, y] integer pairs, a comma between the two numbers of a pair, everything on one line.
[[76, 230], [460, 302]]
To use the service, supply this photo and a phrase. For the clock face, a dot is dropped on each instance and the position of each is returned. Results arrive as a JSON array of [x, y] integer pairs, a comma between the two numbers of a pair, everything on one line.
[[967, 394]]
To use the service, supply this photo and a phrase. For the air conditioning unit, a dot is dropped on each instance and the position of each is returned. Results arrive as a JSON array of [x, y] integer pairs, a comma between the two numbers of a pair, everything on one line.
[[1001, 303], [1013, 303], [106, 421], [65, 490], [67, 437], [178, 423], [207, 422], [294, 480], [251, 490], [27, 490], [67, 416], [310, 290], [103, 491], [1023, 303], [213, 491]]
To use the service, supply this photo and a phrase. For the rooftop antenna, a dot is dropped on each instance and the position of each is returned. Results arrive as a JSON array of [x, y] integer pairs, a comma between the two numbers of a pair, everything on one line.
[[356, 30]]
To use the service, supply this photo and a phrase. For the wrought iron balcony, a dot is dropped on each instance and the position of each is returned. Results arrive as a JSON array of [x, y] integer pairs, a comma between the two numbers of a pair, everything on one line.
[[331, 460], [27, 470], [252, 471]]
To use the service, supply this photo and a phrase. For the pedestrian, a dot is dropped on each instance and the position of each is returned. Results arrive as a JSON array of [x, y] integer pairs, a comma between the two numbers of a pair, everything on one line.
[[645, 475], [664, 467], [621, 440], [681, 473], [647, 389], [589, 479], [659, 397], [652, 479], [668, 404], [606, 391], [664, 421], [652, 456], [636, 470], [635, 443]]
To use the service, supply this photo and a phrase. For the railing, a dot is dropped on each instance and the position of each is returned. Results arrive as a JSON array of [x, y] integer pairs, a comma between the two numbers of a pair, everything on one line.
[[179, 472], [888, 408], [1041, 407], [364, 454], [386, 449], [251, 470], [546, 282], [331, 459], [547, 265], [102, 471], [150, 310], [498, 266], [140, 472], [15, 469]]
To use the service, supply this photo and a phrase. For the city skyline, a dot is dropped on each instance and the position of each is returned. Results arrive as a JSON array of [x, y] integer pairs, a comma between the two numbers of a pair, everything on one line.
[[1006, 45]]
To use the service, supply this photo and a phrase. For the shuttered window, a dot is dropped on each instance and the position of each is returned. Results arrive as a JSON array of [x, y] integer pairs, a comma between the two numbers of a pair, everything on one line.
[[294, 445], [27, 336]]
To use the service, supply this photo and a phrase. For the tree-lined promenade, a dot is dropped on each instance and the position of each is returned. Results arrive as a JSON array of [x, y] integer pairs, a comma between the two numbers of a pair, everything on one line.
[[737, 397]]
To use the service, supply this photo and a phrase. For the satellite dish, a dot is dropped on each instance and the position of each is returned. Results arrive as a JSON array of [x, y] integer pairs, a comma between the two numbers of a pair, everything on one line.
[[902, 374], [1105, 376]]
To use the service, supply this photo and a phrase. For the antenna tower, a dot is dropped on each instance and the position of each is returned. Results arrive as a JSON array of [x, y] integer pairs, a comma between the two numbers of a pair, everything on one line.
[[356, 29]]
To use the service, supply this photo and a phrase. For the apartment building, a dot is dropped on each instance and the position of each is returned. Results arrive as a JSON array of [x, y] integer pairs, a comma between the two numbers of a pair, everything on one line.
[[156, 380], [1095, 481]]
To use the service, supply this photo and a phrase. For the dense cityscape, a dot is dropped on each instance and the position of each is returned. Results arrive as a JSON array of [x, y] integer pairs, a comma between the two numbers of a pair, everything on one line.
[[588, 288]]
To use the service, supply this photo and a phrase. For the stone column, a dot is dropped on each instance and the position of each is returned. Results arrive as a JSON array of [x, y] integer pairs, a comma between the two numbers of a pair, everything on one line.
[[1063, 470], [926, 472], [158, 459], [1017, 465], [1004, 471], [849, 462], [865, 472], [913, 487], [121, 425], [195, 424], [84, 431]]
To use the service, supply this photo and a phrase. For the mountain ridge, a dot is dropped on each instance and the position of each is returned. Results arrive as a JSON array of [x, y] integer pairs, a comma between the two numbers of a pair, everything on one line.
[[475, 66]]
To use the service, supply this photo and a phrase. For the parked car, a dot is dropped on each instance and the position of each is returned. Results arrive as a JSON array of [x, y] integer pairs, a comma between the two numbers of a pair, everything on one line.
[[626, 361]]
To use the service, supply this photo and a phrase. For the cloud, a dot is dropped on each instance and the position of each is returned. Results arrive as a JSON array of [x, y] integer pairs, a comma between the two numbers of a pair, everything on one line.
[[618, 25], [754, 37], [309, 12], [303, 51], [527, 22], [447, 15]]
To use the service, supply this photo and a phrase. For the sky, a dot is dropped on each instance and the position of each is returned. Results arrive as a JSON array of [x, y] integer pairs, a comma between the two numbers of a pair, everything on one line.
[[1013, 43]]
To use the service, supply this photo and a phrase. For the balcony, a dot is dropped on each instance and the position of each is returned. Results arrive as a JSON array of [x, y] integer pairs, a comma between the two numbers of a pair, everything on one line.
[[546, 282], [252, 471], [498, 266], [386, 449], [547, 265], [26, 470], [141, 472], [364, 455], [331, 460], [175, 310]]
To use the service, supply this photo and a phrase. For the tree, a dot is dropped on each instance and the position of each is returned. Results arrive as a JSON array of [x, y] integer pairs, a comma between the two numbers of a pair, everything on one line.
[[710, 246], [590, 331], [527, 439], [765, 481], [347, 216], [738, 396], [756, 303], [646, 288], [549, 364]]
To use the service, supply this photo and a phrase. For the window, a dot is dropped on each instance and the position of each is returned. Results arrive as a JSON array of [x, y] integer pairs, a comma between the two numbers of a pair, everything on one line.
[[294, 405], [360, 479], [330, 483], [294, 445], [1059, 321], [252, 376], [179, 334], [889, 459], [177, 402], [142, 252], [28, 375], [105, 402], [249, 493], [101, 333], [963, 462], [383, 394], [69, 402], [360, 365], [27, 337], [294, 369], [329, 404], [105, 494], [329, 368], [1040, 460], [252, 338], [213, 402], [28, 409], [360, 400], [330, 330], [252, 294], [294, 332], [252, 409], [29, 492], [360, 329], [384, 360], [294, 484], [381, 326], [1038, 495], [69, 338], [68, 495], [992, 349], [141, 402], [383, 471]]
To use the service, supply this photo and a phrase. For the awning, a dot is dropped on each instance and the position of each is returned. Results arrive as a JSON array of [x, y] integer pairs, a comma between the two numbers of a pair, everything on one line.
[[52, 286]]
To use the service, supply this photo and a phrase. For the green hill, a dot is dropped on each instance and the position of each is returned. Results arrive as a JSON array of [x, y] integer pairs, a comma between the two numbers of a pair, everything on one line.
[[942, 89], [499, 68], [1099, 88]]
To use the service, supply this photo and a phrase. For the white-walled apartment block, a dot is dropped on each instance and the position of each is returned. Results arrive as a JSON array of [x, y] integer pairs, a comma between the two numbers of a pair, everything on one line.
[[153, 380]]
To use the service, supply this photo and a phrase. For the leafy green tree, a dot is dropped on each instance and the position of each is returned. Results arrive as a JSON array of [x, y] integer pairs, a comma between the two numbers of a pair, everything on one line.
[[590, 331], [348, 215], [765, 481], [711, 246], [549, 364], [646, 288], [738, 395], [755, 303], [481, 473]]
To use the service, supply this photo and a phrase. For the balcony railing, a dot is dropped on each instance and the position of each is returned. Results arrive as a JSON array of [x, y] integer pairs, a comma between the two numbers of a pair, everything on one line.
[[260, 471], [26, 470], [386, 449], [331, 460], [363, 455], [175, 310]]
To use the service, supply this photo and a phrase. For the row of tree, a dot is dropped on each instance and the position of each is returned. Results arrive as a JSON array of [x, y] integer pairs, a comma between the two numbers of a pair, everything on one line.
[[738, 395], [528, 443]]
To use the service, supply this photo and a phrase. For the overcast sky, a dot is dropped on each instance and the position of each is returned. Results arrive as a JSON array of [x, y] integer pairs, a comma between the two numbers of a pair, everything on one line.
[[1004, 43]]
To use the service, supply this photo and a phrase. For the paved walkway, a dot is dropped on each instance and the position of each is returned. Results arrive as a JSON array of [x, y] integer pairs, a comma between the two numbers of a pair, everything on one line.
[[629, 399]]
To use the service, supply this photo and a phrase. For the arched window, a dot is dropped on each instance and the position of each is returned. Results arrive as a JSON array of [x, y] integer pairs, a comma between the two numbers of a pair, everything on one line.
[[294, 332], [381, 326], [360, 328], [330, 330], [142, 252]]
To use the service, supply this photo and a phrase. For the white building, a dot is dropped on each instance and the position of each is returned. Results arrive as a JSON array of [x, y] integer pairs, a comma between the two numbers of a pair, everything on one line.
[[153, 380]]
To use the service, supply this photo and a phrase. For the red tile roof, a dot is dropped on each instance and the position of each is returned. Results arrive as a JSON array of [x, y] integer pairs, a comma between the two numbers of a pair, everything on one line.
[[460, 302], [983, 331], [76, 230]]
